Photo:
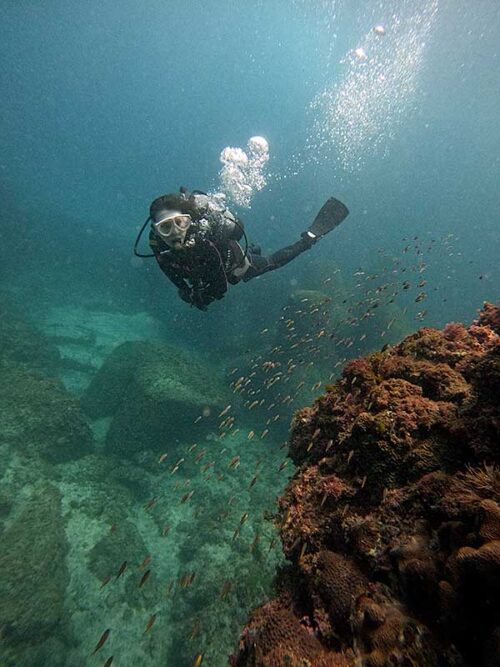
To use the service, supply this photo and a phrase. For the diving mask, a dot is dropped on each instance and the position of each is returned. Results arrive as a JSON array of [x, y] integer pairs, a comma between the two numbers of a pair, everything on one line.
[[172, 227]]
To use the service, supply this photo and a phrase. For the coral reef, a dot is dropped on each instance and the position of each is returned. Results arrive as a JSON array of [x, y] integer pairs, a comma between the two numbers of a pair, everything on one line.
[[392, 523], [154, 394]]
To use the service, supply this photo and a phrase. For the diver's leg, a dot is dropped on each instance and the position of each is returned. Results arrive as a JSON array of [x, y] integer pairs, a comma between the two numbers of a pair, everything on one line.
[[332, 213], [260, 264]]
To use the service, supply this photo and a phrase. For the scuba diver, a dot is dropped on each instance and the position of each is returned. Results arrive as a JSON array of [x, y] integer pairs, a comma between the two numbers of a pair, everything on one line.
[[196, 241]]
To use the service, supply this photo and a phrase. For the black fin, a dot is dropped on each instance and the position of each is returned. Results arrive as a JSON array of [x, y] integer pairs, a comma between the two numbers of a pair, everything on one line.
[[332, 213]]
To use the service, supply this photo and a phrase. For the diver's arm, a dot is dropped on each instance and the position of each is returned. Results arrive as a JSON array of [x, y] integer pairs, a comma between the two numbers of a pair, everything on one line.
[[184, 290], [211, 287]]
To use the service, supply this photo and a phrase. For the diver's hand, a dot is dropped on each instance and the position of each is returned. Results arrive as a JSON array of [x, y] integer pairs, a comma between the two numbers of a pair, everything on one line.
[[199, 300], [186, 294], [189, 296]]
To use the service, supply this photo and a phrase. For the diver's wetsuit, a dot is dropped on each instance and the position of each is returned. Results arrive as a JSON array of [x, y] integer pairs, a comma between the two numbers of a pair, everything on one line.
[[260, 264], [212, 257]]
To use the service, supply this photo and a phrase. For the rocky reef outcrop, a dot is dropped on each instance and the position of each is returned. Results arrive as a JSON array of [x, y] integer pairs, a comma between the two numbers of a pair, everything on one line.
[[38, 418], [33, 619], [392, 523], [154, 394], [21, 345]]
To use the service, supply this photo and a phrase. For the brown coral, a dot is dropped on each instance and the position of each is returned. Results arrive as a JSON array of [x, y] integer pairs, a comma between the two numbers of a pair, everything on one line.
[[392, 523]]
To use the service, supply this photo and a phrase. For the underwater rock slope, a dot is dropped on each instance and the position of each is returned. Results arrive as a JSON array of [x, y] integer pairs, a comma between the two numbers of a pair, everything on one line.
[[152, 393], [392, 523]]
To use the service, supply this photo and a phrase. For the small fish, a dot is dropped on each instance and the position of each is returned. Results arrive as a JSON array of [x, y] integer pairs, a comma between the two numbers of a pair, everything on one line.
[[165, 531], [253, 481], [198, 660], [145, 562], [144, 578], [264, 331], [187, 496], [283, 465], [122, 569], [104, 582], [255, 542], [187, 579], [226, 589], [162, 458], [244, 517], [174, 469], [235, 462], [225, 411], [102, 641], [150, 623], [150, 504], [250, 435], [195, 630], [108, 662], [197, 420]]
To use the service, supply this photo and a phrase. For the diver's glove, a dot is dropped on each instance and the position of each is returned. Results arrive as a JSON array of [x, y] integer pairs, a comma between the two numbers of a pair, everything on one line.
[[186, 294], [200, 299], [189, 296]]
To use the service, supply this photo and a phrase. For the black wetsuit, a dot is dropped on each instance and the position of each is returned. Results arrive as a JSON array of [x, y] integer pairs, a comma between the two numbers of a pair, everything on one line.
[[205, 264]]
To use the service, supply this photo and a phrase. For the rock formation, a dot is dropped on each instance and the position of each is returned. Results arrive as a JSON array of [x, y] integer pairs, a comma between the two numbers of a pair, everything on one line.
[[153, 393], [392, 523]]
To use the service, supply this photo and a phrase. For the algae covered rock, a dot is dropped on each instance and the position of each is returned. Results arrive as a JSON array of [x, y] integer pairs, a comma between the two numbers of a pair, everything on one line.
[[39, 418], [20, 344], [392, 522], [33, 579], [154, 394]]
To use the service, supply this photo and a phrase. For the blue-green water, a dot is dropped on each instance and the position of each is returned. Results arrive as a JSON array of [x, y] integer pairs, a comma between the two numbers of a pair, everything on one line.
[[390, 106]]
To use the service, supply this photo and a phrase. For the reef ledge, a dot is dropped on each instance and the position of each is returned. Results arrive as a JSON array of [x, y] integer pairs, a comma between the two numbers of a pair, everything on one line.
[[391, 524]]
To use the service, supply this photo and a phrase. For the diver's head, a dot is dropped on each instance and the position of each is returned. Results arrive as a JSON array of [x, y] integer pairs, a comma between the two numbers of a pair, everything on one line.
[[171, 226]]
